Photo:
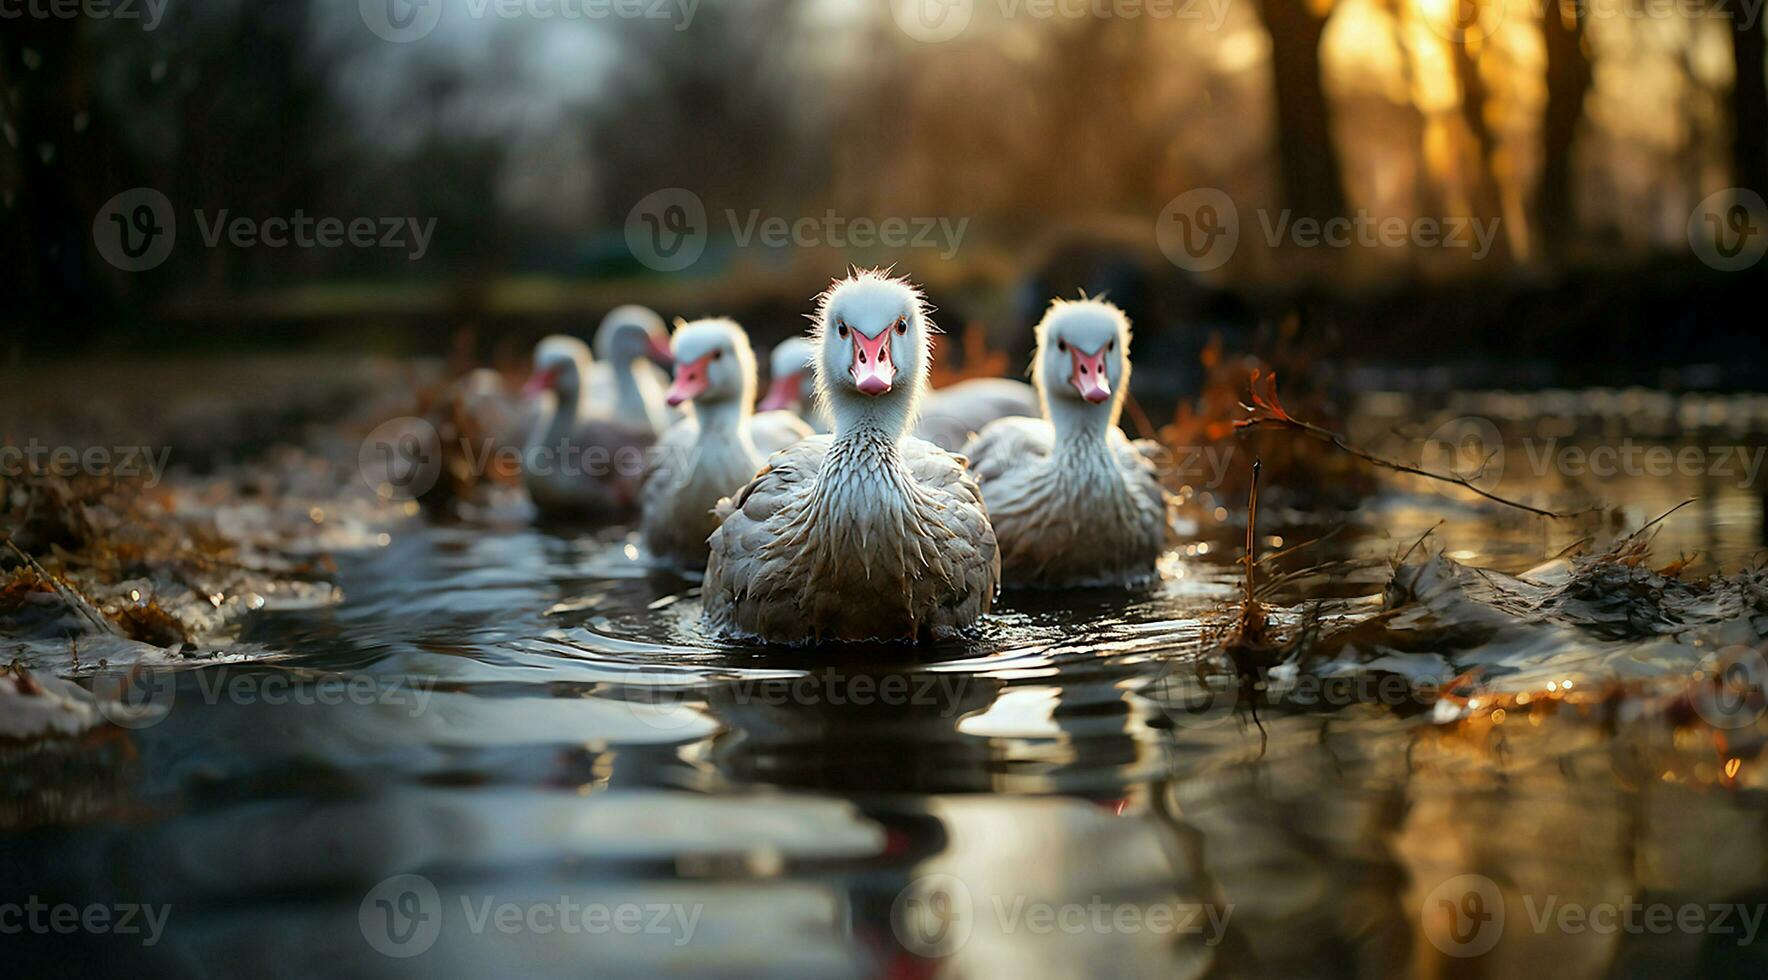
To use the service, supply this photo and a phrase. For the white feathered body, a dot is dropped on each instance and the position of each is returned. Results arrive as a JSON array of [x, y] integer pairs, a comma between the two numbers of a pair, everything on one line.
[[1089, 512], [693, 469], [857, 539]]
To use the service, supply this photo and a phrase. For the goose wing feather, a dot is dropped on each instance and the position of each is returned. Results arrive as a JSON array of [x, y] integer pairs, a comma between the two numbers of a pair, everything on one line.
[[1137, 460], [666, 462], [1007, 445], [965, 553]]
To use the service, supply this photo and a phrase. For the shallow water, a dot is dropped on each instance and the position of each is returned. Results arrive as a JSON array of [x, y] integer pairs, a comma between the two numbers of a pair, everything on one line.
[[514, 751]]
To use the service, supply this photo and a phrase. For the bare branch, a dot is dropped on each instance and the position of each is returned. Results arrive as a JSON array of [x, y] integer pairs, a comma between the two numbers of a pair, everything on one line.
[[1266, 412]]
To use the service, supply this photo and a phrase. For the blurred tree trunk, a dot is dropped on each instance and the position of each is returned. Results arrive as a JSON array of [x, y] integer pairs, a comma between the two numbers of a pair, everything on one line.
[[1749, 102], [1568, 80], [1427, 194], [1485, 193], [1313, 184]]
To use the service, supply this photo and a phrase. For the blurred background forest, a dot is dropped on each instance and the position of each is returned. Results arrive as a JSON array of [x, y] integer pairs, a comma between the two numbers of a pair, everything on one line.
[[1590, 131]]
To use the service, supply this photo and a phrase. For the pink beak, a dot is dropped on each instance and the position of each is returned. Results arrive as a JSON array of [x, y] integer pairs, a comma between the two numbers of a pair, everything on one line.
[[1089, 377], [659, 351], [540, 381], [873, 373], [782, 394], [690, 381]]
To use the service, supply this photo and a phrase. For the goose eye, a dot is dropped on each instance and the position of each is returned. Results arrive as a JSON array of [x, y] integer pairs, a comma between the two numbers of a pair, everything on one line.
[[717, 354], [841, 328], [1062, 345], [902, 326]]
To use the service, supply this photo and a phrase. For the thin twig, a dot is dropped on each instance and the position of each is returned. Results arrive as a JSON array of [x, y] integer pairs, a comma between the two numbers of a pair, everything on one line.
[[1252, 535], [1309, 543], [1338, 442], [1572, 548], [1271, 585], [68, 595], [1267, 413], [1658, 519], [1427, 533]]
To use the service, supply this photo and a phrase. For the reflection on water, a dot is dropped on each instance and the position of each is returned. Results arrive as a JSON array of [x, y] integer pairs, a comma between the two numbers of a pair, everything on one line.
[[584, 783]]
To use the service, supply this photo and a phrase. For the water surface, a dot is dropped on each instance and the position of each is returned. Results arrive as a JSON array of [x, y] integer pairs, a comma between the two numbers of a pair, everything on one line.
[[503, 726]]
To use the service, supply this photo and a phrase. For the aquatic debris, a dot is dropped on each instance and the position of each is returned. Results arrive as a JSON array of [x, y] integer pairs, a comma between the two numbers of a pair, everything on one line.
[[1614, 595], [1601, 639], [1262, 660], [1604, 636], [31, 589], [480, 425], [34, 707], [98, 557], [1249, 642], [149, 622]]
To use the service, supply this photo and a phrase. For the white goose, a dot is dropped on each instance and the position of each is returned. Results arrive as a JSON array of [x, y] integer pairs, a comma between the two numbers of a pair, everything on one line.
[[574, 462], [866, 534], [626, 381], [714, 452], [949, 415], [1073, 501], [790, 366]]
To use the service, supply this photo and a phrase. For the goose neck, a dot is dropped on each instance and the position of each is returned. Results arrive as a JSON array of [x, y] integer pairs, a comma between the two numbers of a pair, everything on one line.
[[635, 396], [725, 423], [566, 413], [1081, 429]]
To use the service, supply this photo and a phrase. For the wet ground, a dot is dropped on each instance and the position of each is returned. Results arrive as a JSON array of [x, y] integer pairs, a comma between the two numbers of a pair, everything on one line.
[[513, 751]]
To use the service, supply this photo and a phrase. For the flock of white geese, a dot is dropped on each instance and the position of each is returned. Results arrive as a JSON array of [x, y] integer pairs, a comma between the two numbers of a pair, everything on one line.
[[903, 518]]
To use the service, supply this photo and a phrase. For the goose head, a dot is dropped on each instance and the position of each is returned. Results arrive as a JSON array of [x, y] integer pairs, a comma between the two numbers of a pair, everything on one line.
[[791, 365], [1083, 362], [714, 364], [629, 333], [873, 349], [560, 365]]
